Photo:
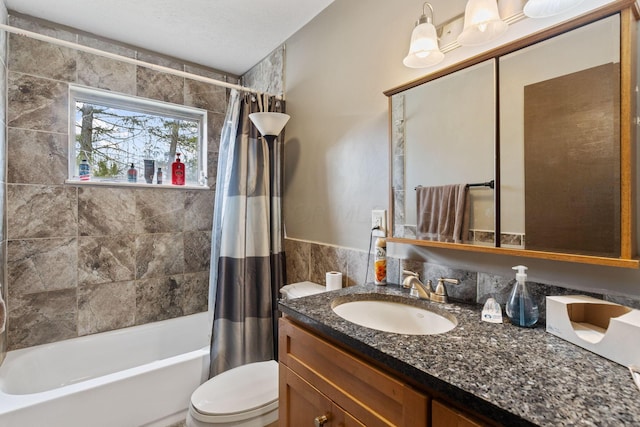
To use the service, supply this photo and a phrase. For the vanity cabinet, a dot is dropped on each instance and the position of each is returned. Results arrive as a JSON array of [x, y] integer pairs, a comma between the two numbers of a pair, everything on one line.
[[317, 379], [323, 384]]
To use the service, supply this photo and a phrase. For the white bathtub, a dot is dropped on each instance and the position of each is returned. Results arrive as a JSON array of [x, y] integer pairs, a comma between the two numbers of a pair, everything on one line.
[[138, 376]]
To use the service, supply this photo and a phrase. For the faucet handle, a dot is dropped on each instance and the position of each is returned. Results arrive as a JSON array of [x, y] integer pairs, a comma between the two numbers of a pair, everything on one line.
[[440, 295]]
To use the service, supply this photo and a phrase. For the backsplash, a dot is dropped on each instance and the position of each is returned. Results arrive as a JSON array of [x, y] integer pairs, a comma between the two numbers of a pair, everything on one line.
[[310, 261], [87, 259]]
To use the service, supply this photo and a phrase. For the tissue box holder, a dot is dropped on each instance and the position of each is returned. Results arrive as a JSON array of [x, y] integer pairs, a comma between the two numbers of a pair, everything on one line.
[[605, 328]]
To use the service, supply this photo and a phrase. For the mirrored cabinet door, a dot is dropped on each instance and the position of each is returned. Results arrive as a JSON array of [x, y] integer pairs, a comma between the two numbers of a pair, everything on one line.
[[560, 143], [443, 133]]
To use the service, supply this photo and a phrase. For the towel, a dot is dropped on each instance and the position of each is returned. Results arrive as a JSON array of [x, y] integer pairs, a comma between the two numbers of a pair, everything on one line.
[[443, 213]]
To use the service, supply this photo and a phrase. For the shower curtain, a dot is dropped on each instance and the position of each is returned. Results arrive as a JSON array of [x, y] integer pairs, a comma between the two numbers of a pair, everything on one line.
[[247, 265]]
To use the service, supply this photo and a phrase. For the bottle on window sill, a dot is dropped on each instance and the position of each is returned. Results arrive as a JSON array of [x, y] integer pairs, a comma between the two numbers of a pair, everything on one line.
[[85, 174], [159, 176], [132, 174], [177, 171]]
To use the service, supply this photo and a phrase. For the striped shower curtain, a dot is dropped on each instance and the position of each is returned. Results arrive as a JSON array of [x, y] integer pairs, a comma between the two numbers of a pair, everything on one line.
[[247, 248]]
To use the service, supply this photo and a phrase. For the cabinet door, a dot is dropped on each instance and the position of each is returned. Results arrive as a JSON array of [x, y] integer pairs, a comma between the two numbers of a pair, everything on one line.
[[300, 403], [445, 416], [303, 405]]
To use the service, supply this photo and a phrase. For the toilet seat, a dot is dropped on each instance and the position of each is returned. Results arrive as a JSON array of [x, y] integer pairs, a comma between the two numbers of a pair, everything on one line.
[[238, 394]]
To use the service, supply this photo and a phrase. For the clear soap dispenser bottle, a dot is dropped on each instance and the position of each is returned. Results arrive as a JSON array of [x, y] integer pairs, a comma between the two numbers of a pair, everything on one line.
[[521, 309]]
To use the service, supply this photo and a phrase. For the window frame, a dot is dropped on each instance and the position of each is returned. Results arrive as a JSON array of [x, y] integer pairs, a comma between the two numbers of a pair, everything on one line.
[[139, 105]]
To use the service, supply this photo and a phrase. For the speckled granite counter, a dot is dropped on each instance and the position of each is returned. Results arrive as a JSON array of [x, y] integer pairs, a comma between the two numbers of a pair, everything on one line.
[[516, 376]]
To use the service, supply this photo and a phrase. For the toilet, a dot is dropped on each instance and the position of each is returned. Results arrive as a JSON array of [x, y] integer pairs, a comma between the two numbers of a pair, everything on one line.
[[245, 396]]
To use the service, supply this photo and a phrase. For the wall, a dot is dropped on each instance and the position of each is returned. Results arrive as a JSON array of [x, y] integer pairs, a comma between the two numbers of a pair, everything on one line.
[[3, 135], [86, 259], [266, 76], [336, 146]]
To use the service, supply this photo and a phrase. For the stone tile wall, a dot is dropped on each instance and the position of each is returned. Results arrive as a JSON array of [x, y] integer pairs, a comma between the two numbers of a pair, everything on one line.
[[310, 261], [3, 135], [87, 259]]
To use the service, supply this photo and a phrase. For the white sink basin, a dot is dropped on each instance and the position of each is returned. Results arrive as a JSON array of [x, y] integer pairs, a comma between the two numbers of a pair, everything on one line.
[[397, 317]]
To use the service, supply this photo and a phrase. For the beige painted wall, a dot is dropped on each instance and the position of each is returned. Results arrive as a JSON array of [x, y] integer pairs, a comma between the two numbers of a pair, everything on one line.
[[336, 142]]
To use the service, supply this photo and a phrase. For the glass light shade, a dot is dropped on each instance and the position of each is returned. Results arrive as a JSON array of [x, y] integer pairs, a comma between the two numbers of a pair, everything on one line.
[[423, 50], [545, 8], [269, 123], [482, 23]]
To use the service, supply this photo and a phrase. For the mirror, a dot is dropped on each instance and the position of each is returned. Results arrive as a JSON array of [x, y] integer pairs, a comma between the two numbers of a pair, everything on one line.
[[550, 135], [560, 142], [448, 129]]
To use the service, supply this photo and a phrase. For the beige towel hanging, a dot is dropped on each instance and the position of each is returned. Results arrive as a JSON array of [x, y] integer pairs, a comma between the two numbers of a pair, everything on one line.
[[442, 213]]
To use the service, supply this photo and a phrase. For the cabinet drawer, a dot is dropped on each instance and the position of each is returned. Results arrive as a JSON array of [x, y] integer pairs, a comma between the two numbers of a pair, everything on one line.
[[445, 416], [369, 394]]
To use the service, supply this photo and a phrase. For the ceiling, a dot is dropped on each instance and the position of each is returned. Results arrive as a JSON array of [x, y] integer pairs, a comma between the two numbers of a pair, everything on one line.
[[228, 35]]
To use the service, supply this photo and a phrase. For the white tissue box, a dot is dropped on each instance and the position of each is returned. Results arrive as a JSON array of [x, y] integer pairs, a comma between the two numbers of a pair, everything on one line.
[[605, 328]]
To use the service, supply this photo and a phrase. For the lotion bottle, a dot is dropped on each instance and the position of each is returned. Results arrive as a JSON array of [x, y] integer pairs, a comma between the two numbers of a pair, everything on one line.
[[521, 308], [177, 171]]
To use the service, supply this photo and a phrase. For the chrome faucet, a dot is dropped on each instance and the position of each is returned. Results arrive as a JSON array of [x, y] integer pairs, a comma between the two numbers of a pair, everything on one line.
[[425, 291]]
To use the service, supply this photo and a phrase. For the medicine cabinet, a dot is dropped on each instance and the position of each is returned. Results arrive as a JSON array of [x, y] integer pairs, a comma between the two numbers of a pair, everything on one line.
[[543, 129]]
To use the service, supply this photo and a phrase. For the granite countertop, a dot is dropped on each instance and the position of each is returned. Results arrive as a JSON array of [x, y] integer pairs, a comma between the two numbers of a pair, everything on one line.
[[515, 376]]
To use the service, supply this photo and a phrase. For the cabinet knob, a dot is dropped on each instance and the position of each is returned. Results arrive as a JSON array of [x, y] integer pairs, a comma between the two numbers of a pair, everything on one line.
[[320, 420]]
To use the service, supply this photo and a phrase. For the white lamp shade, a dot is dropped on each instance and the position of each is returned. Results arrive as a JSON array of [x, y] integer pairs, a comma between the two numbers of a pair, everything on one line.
[[269, 123], [423, 51], [482, 23], [545, 8]]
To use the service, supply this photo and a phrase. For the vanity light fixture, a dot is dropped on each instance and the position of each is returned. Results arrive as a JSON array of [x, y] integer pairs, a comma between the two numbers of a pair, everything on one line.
[[482, 23], [423, 50], [545, 8]]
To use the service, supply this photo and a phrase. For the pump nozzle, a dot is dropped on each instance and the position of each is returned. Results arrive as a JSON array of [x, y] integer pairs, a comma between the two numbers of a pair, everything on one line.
[[521, 275]]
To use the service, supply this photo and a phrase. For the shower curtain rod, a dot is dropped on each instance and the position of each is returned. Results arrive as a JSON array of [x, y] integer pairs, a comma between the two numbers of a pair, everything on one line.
[[72, 45]]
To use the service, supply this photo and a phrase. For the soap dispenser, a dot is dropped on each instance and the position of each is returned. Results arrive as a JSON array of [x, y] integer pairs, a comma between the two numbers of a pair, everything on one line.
[[521, 309]]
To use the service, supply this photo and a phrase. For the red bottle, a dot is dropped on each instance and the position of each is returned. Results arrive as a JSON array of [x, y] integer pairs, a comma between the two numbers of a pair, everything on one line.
[[177, 171]]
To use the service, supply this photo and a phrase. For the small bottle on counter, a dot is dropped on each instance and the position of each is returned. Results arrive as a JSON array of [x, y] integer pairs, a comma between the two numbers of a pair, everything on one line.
[[132, 174], [177, 171], [380, 262], [159, 176]]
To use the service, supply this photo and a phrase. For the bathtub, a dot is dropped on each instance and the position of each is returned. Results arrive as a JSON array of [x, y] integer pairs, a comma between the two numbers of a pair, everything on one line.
[[138, 376]]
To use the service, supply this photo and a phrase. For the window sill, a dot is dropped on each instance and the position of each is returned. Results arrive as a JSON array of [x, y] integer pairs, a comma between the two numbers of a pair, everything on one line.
[[135, 185]]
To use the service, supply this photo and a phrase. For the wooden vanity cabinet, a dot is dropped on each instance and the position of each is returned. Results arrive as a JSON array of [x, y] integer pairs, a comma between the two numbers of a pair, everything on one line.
[[319, 379]]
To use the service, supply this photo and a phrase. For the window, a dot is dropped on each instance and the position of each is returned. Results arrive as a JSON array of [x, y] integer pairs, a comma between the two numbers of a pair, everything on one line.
[[113, 133]]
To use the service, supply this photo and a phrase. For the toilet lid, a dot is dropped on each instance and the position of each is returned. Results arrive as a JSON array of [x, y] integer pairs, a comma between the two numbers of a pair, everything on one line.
[[247, 388]]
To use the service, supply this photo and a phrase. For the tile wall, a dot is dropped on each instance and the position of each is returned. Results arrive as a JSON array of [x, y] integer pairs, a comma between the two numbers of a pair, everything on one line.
[[87, 259], [3, 135]]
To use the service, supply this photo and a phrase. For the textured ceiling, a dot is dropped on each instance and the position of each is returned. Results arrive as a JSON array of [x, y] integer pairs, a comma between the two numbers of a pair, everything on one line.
[[228, 35]]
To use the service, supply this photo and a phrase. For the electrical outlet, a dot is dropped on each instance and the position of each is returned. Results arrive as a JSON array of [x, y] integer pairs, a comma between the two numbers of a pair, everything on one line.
[[379, 219]]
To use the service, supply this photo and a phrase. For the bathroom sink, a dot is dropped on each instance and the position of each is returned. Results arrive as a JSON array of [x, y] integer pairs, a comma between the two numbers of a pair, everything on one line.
[[397, 316]]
